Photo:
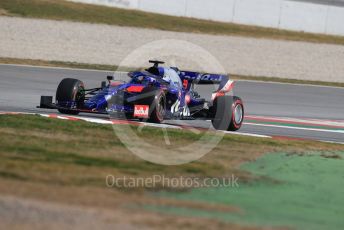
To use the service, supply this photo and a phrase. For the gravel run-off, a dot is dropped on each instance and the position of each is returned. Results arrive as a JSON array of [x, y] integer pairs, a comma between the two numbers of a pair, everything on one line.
[[104, 44]]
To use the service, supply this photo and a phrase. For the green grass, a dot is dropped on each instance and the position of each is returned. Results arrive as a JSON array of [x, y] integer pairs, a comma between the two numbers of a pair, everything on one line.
[[45, 143], [67, 162], [48, 146], [297, 191], [61, 10]]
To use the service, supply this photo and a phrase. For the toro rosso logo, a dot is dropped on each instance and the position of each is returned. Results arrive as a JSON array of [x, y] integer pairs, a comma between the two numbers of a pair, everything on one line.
[[209, 77], [141, 111]]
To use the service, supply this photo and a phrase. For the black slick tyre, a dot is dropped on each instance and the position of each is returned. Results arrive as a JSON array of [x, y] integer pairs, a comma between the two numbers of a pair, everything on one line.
[[228, 113], [70, 90]]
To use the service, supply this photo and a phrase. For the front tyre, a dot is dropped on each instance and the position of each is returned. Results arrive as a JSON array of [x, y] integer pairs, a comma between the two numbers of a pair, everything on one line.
[[70, 95], [228, 113]]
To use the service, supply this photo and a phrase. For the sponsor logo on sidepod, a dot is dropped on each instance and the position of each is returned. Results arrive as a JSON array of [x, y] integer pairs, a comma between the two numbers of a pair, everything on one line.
[[141, 111]]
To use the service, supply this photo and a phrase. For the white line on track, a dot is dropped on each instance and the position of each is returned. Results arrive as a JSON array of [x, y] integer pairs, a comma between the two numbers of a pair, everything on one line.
[[333, 142], [159, 125], [246, 134], [294, 84], [107, 122], [297, 128], [306, 121], [95, 120]]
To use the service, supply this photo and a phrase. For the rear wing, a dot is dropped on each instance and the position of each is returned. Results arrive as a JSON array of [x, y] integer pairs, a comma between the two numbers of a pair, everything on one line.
[[225, 84], [203, 78]]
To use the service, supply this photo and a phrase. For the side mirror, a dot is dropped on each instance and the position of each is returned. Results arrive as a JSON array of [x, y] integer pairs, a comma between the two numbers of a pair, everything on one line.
[[109, 78]]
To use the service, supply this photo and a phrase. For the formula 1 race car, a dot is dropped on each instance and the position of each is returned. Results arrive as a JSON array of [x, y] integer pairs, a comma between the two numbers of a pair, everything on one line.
[[154, 95]]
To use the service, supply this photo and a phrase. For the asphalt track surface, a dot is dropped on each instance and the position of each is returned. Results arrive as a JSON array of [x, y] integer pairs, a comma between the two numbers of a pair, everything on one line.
[[22, 86]]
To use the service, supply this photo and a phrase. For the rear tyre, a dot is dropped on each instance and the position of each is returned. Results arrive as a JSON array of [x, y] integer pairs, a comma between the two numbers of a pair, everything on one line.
[[238, 113], [71, 95], [157, 108], [156, 99], [228, 113]]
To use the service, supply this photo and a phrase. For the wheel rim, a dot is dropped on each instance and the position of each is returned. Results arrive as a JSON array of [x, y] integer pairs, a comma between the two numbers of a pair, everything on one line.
[[161, 108], [79, 97], [80, 94], [238, 114]]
